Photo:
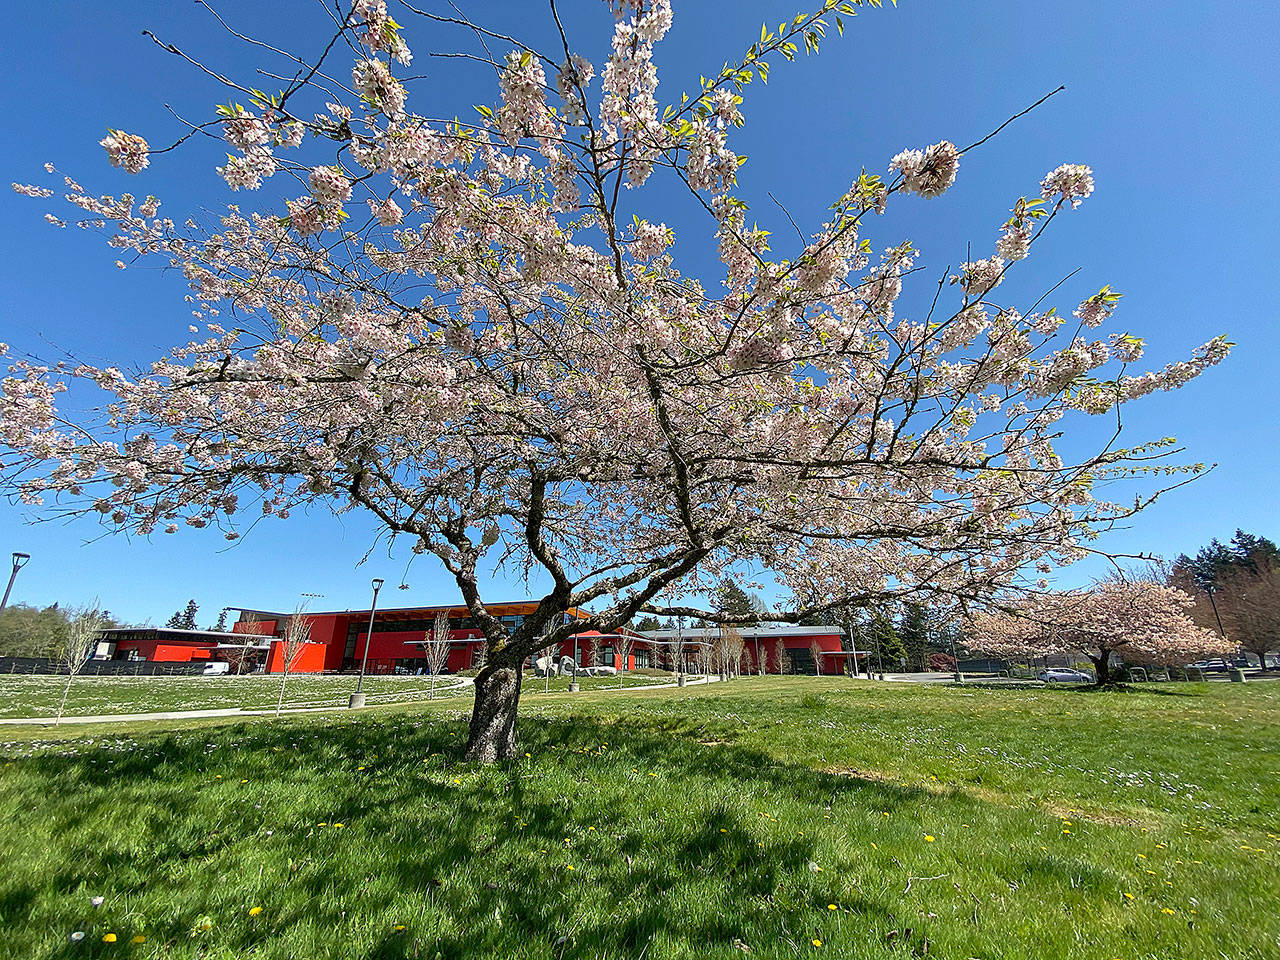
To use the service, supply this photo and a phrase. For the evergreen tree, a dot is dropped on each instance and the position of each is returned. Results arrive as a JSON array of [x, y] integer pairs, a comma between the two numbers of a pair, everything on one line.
[[186, 620], [221, 625], [913, 631], [645, 624], [174, 622], [1217, 562], [733, 601], [1252, 551], [884, 642]]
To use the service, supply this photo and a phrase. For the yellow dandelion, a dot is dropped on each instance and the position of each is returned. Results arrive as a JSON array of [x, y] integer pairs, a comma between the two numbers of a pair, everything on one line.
[[569, 867], [928, 838], [323, 823], [108, 938], [339, 825], [1128, 896], [254, 911], [832, 906], [528, 754], [817, 942], [139, 939], [1168, 911], [244, 781], [398, 928]]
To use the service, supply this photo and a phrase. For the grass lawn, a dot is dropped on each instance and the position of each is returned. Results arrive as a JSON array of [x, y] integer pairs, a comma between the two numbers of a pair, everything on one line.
[[768, 817], [38, 696]]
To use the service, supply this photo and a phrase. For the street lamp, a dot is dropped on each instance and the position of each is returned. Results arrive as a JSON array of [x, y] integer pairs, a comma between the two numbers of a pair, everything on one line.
[[357, 698], [19, 561]]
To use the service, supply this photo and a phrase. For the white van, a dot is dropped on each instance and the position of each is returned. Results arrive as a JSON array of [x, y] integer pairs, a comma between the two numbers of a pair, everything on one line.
[[215, 668]]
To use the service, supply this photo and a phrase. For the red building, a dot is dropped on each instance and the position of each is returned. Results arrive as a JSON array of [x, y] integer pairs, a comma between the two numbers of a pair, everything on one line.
[[338, 639], [399, 635], [172, 645], [779, 648]]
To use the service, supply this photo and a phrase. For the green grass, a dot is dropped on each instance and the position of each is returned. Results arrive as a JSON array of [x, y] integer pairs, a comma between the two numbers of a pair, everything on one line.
[[38, 695], [704, 822]]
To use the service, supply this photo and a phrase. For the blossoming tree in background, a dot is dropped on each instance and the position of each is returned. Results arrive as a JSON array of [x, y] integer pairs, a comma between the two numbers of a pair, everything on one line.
[[1140, 621], [475, 333]]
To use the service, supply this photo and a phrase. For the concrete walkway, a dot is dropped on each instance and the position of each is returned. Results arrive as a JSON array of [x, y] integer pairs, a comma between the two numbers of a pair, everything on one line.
[[662, 686]]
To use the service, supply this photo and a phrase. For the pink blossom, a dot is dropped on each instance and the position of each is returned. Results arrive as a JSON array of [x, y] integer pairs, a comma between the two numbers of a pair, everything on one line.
[[930, 172], [388, 213], [1015, 242], [329, 185], [373, 81], [1071, 182], [126, 150]]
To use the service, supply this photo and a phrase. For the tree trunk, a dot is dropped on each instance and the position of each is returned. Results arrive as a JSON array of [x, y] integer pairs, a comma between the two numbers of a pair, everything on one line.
[[1102, 668], [492, 736]]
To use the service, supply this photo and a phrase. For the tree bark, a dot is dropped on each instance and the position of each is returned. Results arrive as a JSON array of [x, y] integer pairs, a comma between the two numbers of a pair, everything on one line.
[[492, 735], [1102, 668]]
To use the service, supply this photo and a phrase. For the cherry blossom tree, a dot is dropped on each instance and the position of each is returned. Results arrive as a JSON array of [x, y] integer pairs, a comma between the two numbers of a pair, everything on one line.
[[1139, 620], [473, 331]]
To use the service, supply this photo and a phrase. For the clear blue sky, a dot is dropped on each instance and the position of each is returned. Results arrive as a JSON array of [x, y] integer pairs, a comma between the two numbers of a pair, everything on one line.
[[1174, 105]]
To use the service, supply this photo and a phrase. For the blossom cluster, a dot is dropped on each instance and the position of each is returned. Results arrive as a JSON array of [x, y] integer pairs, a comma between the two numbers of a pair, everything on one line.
[[126, 150], [929, 172]]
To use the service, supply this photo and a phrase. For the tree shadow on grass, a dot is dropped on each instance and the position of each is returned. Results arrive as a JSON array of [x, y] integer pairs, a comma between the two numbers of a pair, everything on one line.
[[1133, 689], [581, 849]]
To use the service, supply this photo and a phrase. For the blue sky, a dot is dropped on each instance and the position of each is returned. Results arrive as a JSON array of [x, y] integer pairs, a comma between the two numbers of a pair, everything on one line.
[[1173, 104]]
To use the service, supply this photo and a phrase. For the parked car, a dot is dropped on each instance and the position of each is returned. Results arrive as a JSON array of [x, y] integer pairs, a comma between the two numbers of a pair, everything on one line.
[[1217, 665], [215, 668], [1064, 675]]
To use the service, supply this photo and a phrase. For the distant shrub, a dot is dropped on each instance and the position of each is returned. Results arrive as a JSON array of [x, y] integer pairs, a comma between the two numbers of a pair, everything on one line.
[[942, 663]]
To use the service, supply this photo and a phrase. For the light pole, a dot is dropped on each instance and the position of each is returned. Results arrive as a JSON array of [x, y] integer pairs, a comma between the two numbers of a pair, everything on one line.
[[357, 698], [1209, 590], [19, 561]]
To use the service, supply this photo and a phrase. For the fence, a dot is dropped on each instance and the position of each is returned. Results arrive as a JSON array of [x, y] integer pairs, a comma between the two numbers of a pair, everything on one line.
[[100, 668]]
